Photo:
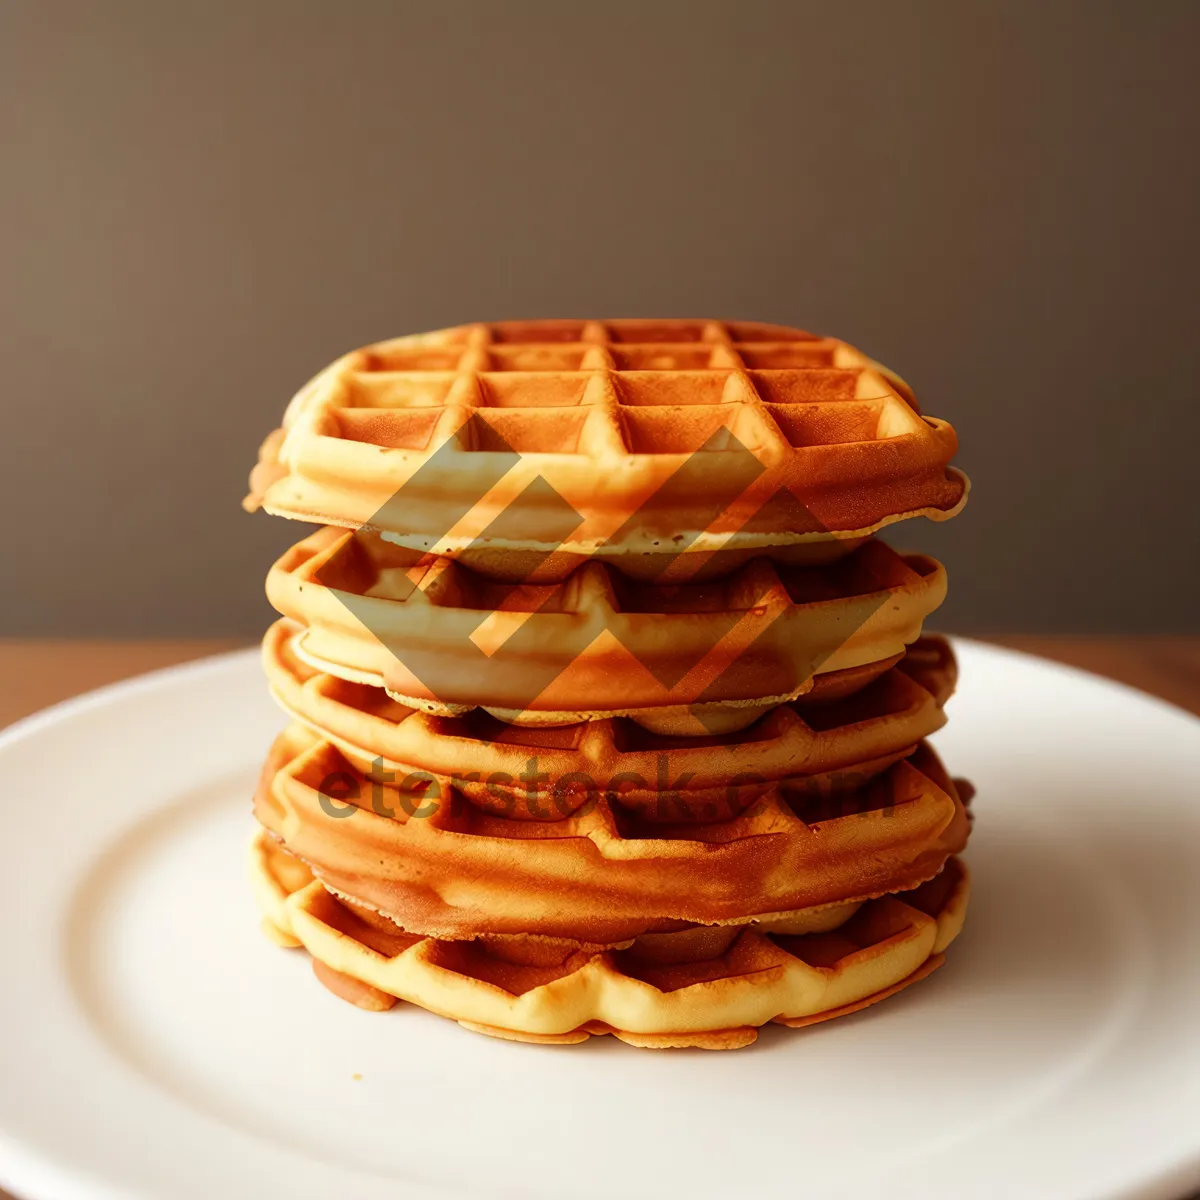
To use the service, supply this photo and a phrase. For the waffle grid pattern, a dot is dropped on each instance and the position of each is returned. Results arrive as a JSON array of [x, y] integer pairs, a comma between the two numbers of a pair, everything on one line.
[[602, 720], [594, 868], [716, 1000], [621, 439], [773, 388], [835, 745], [376, 612], [915, 794]]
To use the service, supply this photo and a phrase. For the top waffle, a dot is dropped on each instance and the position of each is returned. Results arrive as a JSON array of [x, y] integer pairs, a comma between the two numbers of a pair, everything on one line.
[[522, 446]]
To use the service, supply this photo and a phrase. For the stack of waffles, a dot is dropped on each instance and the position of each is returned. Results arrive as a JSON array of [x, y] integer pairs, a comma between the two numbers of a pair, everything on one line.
[[608, 711]]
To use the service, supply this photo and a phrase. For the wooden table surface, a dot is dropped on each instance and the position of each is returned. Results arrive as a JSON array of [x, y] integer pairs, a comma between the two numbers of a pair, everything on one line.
[[36, 673]]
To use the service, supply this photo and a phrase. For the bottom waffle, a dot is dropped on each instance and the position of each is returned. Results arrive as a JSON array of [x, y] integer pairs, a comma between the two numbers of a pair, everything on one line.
[[703, 987]]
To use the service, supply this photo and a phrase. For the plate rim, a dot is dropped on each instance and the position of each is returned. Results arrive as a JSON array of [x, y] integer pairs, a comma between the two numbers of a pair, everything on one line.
[[26, 1169]]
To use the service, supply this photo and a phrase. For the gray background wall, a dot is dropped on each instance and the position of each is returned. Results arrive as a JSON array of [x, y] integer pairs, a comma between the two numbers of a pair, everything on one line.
[[204, 203]]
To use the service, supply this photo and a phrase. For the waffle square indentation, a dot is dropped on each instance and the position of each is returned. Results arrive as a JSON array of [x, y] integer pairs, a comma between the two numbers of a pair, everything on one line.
[[675, 430], [647, 332], [557, 431], [794, 356], [517, 332], [415, 358], [394, 428], [531, 389], [804, 387], [536, 358], [389, 389], [827, 424], [662, 358], [652, 389]]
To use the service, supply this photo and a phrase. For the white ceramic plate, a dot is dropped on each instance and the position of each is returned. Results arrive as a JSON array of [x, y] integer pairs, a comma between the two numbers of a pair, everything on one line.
[[154, 1044]]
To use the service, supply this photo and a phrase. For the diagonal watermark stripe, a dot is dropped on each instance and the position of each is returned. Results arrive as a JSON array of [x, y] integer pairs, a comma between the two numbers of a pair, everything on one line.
[[503, 649], [691, 487], [420, 504]]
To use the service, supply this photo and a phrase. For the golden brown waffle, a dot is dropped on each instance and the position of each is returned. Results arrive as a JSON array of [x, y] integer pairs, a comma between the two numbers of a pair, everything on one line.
[[699, 987], [442, 638], [637, 439], [510, 770], [594, 869]]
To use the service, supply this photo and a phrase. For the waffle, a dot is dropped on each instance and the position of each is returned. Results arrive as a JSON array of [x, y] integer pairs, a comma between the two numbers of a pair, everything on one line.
[[442, 638], [703, 988], [594, 870], [529, 446], [840, 745]]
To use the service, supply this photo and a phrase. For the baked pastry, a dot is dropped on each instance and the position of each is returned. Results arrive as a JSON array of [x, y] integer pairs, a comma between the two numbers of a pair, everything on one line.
[[528, 447], [705, 988], [441, 637], [608, 711], [590, 868]]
